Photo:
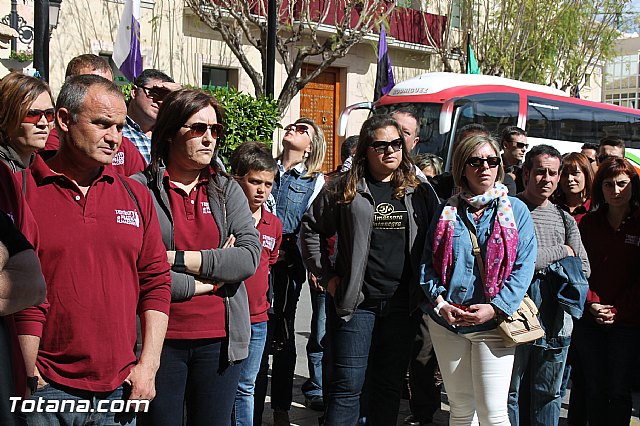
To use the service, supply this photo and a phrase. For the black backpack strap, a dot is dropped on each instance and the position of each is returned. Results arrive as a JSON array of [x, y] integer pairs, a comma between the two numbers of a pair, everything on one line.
[[132, 195]]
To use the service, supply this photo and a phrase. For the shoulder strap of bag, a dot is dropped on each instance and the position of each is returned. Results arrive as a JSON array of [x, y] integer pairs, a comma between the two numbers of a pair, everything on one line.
[[475, 247], [564, 223]]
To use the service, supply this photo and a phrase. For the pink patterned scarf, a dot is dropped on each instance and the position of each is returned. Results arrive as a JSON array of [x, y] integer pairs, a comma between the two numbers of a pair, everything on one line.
[[501, 246]]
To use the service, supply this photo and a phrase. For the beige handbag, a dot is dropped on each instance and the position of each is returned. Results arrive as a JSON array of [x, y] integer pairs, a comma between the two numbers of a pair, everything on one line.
[[521, 327]]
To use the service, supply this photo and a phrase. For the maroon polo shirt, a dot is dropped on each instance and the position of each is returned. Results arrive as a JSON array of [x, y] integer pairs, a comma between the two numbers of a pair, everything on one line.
[[27, 321], [194, 228], [128, 161], [270, 229], [613, 254], [104, 261]]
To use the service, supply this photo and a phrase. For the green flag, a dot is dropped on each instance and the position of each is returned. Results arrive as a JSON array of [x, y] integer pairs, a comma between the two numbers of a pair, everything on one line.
[[472, 63]]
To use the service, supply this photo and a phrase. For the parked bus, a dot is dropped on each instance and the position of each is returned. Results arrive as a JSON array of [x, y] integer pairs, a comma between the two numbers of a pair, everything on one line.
[[445, 102]]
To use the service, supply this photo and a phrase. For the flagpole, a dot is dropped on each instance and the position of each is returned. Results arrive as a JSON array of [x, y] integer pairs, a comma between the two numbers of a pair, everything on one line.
[[468, 50]]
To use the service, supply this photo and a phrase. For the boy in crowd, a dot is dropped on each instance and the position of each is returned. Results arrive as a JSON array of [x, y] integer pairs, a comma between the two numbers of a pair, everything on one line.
[[255, 169]]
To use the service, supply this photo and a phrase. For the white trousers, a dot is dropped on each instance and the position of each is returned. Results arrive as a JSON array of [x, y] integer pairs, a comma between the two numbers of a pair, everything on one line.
[[476, 369]]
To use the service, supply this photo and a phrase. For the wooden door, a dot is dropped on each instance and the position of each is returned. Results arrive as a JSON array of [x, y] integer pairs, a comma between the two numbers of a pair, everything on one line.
[[320, 101]]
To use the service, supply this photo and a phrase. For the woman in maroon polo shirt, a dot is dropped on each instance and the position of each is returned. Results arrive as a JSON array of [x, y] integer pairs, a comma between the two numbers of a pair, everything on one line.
[[607, 338], [212, 245], [574, 190], [26, 118]]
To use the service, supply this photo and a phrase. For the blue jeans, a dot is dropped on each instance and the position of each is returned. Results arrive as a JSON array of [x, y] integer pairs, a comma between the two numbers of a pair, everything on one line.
[[196, 372], [536, 383], [315, 347], [607, 356], [243, 412], [373, 346], [54, 391]]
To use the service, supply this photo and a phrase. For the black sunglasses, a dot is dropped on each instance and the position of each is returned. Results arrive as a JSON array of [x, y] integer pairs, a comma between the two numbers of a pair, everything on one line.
[[492, 162], [382, 146], [298, 128], [33, 116], [591, 159], [522, 145], [155, 93], [604, 157], [199, 129]]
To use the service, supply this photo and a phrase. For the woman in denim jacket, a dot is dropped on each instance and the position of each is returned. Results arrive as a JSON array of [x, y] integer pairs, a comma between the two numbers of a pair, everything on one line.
[[380, 212], [474, 361]]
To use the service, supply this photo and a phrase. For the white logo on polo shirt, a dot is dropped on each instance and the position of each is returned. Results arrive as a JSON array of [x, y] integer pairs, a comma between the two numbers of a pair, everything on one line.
[[268, 242], [205, 207], [128, 217], [118, 159]]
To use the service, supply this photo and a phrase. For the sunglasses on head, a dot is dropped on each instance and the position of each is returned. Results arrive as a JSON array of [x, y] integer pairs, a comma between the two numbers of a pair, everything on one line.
[[34, 115], [492, 162], [298, 128], [199, 129], [522, 145], [155, 93], [382, 146]]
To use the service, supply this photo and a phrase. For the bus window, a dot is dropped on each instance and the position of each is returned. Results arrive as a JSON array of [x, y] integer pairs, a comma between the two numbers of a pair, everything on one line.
[[431, 140], [563, 121], [495, 111]]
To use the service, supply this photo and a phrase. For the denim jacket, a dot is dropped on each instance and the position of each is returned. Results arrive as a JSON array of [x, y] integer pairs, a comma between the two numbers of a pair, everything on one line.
[[560, 292], [293, 193], [466, 286]]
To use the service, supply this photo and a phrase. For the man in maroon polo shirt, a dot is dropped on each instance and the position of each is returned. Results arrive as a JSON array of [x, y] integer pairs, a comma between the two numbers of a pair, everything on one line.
[[103, 260]]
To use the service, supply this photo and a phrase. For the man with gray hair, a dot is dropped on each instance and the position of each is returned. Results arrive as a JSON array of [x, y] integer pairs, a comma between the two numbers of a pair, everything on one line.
[[103, 260]]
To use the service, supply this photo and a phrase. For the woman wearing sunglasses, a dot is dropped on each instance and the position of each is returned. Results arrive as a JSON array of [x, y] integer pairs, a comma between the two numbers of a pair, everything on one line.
[[466, 296], [212, 246], [26, 118], [380, 213]]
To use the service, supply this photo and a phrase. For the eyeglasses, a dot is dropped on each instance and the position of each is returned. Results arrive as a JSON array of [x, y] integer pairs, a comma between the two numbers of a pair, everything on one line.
[[604, 157], [34, 115], [492, 162], [382, 146], [199, 129], [155, 93], [298, 128], [591, 159], [522, 145]]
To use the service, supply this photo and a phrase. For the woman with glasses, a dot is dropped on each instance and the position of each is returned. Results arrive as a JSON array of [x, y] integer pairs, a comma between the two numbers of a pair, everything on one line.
[[380, 212], [212, 246], [467, 291], [607, 337], [26, 118], [297, 182]]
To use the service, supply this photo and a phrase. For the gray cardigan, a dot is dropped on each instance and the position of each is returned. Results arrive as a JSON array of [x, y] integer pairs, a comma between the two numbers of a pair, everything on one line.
[[353, 223], [232, 265]]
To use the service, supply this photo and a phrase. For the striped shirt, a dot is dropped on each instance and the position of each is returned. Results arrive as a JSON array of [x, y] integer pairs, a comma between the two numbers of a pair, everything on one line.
[[135, 134]]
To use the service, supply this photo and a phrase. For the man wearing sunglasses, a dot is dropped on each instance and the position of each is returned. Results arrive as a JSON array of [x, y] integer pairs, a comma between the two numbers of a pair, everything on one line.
[[514, 145], [591, 151], [610, 147], [149, 89]]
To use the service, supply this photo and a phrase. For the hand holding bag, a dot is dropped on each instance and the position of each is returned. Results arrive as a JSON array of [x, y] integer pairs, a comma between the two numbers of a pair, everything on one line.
[[521, 327]]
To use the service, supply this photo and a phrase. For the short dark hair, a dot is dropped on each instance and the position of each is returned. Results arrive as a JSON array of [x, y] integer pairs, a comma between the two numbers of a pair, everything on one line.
[[588, 145], [151, 74], [472, 129], [540, 150], [87, 61], [609, 169], [252, 156], [177, 107], [612, 141], [347, 146], [511, 131], [74, 91]]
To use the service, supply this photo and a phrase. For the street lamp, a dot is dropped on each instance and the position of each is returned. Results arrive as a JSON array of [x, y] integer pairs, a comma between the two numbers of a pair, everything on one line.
[[54, 14]]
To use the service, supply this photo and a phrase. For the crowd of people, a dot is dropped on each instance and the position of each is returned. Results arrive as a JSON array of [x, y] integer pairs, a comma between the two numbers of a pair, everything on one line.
[[170, 279]]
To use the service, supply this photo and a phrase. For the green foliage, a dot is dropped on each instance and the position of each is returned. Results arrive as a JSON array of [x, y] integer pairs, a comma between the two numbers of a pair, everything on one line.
[[247, 119], [126, 91]]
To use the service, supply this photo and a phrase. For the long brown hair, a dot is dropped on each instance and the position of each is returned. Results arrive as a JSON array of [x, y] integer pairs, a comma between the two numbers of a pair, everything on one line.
[[17, 93], [403, 177], [569, 162]]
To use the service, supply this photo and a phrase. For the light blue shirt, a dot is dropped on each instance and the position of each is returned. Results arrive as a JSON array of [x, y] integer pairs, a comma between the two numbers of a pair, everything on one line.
[[466, 286]]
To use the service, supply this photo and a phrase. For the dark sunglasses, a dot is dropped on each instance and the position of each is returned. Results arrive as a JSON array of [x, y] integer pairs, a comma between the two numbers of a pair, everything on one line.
[[34, 115], [522, 145], [199, 129], [492, 162], [591, 159], [298, 128], [604, 157], [382, 146], [155, 93]]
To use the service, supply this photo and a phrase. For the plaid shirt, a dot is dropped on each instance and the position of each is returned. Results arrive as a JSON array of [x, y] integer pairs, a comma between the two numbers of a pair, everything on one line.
[[132, 131]]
